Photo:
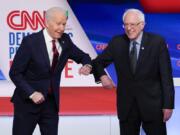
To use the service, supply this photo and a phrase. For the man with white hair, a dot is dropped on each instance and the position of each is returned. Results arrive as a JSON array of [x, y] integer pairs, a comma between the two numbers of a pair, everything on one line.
[[36, 73], [145, 91]]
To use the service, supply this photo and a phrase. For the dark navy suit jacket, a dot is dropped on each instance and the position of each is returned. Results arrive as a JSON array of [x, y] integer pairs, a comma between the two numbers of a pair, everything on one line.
[[31, 72], [151, 86]]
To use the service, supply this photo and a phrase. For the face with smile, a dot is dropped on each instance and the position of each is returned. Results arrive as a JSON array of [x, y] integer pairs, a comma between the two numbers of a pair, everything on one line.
[[133, 25], [55, 24]]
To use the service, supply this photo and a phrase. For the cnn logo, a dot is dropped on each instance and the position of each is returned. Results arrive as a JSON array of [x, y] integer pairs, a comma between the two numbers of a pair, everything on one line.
[[20, 20]]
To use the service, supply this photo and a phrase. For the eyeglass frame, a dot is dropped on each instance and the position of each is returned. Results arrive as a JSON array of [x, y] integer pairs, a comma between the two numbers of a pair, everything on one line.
[[125, 25]]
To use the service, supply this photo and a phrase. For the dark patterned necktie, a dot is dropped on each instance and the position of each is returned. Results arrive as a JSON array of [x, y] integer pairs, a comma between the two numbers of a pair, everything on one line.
[[55, 56], [54, 63], [133, 57]]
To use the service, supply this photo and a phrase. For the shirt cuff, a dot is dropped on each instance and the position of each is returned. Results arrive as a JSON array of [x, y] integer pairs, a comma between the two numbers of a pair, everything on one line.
[[31, 95]]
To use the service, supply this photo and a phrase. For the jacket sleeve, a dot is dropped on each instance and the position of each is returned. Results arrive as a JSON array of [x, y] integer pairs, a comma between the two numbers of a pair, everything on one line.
[[166, 77], [78, 55], [101, 62], [19, 67]]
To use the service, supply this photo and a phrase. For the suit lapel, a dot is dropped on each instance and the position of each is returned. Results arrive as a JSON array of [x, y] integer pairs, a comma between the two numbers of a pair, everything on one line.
[[43, 48], [64, 45], [142, 51], [126, 52]]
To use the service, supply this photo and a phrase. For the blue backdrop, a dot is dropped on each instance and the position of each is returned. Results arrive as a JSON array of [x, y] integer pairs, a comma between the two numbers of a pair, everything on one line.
[[101, 21]]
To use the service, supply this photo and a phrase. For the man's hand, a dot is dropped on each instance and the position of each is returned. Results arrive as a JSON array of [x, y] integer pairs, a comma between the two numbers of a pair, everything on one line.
[[85, 70], [107, 83], [167, 114], [37, 97]]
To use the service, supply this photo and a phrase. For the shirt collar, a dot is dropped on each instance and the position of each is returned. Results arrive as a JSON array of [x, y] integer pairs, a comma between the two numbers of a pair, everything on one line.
[[47, 36], [139, 39]]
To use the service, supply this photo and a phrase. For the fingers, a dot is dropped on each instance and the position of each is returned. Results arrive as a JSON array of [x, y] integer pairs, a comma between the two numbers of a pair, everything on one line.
[[85, 70], [167, 114], [38, 98], [107, 83]]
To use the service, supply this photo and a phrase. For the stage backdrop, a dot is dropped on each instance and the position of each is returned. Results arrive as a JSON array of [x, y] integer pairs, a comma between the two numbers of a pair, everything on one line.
[[105, 21], [21, 18]]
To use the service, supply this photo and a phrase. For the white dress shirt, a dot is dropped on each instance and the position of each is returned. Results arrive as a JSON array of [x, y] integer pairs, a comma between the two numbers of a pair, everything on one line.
[[48, 41]]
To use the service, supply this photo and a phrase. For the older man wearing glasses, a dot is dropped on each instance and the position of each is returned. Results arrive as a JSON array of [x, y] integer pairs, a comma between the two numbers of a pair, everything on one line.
[[145, 91]]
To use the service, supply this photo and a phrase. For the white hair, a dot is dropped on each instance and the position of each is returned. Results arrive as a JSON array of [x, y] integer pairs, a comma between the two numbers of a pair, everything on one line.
[[49, 13], [139, 12]]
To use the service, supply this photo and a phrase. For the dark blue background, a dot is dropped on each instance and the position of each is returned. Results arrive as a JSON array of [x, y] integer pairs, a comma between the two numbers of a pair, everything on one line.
[[102, 20]]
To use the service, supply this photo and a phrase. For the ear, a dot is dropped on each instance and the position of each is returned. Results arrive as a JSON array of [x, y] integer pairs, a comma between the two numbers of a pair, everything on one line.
[[46, 23], [142, 25]]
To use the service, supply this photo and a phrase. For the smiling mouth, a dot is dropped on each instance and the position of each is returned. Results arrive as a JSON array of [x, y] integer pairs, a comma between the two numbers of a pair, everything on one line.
[[130, 33], [59, 33]]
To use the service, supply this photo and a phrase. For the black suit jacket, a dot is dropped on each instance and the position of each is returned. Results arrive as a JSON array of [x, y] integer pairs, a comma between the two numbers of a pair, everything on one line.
[[151, 86], [31, 69]]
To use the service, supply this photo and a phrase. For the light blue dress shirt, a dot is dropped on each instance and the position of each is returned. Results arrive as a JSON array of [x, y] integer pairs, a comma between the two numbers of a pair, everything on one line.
[[138, 45]]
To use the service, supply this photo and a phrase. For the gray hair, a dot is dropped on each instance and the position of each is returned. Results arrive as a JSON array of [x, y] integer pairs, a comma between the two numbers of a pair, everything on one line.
[[139, 12], [49, 13]]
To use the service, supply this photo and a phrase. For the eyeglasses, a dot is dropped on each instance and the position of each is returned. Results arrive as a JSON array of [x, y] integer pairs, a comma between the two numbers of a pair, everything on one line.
[[132, 25]]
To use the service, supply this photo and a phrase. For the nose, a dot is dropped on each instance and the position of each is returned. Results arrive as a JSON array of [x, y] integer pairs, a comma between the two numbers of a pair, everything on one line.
[[128, 27], [62, 27]]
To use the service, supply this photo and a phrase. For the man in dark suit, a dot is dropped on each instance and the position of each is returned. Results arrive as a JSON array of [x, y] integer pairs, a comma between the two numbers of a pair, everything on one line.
[[36, 73], [145, 91]]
